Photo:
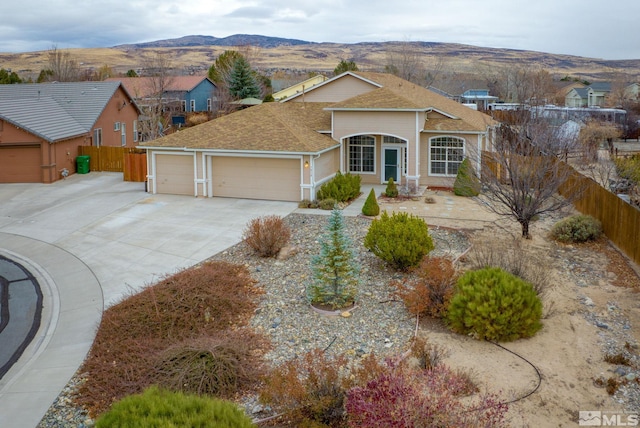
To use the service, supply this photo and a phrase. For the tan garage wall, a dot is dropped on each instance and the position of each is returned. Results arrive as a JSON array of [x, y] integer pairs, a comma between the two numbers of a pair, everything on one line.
[[174, 174], [256, 178], [20, 164]]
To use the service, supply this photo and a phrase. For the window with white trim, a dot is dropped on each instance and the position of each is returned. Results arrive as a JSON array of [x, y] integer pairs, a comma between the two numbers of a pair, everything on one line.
[[362, 153], [135, 130], [208, 104], [445, 155], [116, 126], [193, 105], [183, 105]]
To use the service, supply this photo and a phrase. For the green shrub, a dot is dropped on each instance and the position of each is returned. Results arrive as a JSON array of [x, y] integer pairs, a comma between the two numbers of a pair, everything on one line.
[[371, 207], [467, 182], [577, 228], [492, 304], [402, 240], [327, 204], [335, 269], [266, 235], [342, 188], [392, 190], [163, 409]]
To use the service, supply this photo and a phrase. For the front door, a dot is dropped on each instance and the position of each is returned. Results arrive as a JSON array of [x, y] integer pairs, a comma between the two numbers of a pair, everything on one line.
[[391, 164]]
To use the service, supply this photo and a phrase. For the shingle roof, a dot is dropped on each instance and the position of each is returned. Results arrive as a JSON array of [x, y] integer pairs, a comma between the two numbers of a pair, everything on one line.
[[55, 111], [142, 87], [395, 93], [268, 127]]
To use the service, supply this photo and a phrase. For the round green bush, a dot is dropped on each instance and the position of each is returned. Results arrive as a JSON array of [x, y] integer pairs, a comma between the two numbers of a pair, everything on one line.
[[402, 240], [492, 304], [371, 207], [577, 228], [161, 408]]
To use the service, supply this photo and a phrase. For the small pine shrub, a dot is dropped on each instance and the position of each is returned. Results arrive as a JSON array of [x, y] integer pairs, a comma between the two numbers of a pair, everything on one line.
[[492, 304], [467, 182], [342, 187], [371, 207], [576, 229], [157, 407], [402, 240], [266, 235], [305, 203], [327, 204], [432, 289], [392, 190], [335, 270]]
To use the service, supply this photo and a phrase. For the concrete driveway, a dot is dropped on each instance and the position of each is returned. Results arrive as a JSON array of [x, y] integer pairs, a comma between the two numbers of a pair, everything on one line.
[[90, 240]]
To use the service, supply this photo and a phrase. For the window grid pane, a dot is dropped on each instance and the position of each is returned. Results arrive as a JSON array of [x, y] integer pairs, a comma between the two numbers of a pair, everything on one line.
[[447, 154], [362, 153]]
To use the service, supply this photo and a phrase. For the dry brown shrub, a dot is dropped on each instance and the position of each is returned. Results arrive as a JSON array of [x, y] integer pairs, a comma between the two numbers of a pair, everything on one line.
[[217, 366], [428, 355], [204, 301], [266, 235], [513, 258], [429, 293], [197, 119]]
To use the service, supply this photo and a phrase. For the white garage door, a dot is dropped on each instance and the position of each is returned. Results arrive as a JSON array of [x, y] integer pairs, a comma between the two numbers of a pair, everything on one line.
[[20, 164], [256, 178], [174, 174]]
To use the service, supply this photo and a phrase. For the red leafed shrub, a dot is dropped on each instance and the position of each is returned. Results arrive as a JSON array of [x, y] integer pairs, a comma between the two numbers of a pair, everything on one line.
[[404, 397], [431, 290], [266, 235]]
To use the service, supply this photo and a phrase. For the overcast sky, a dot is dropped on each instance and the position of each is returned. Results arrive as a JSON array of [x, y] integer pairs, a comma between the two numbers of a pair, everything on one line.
[[599, 29]]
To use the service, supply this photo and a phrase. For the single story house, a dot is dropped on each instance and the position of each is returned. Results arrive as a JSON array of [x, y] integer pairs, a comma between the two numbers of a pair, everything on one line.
[[299, 87], [375, 125], [42, 125]]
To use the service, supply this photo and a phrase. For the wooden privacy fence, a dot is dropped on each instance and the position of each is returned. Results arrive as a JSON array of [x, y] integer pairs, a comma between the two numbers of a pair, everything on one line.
[[128, 160], [620, 220]]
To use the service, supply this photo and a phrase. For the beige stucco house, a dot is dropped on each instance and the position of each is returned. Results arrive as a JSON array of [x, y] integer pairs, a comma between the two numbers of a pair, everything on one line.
[[371, 124]]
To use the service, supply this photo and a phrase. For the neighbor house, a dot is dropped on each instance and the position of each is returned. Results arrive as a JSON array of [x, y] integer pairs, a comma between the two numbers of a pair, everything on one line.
[[374, 125], [602, 94], [42, 125], [181, 94], [299, 87]]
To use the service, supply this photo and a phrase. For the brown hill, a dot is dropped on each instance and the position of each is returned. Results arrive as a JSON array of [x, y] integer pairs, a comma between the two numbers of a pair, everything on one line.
[[286, 54]]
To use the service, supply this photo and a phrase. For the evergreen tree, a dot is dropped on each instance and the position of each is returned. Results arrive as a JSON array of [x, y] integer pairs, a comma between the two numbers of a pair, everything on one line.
[[335, 270], [371, 207], [467, 182], [9, 77], [345, 65], [242, 82]]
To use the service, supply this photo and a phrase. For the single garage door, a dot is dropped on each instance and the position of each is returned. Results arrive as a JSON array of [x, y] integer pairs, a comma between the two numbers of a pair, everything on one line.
[[256, 178], [20, 164], [174, 174]]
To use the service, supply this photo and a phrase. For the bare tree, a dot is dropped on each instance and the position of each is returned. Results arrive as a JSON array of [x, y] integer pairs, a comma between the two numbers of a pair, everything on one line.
[[408, 61], [594, 134], [521, 177], [158, 101], [63, 67]]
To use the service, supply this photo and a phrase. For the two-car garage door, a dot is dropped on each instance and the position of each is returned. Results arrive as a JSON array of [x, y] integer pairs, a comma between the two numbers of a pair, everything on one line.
[[256, 178], [233, 177]]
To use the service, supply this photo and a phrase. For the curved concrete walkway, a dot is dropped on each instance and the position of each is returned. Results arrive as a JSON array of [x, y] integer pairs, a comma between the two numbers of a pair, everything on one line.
[[72, 308]]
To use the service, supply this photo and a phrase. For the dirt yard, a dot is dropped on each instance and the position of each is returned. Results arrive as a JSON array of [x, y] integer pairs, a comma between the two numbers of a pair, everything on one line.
[[592, 309]]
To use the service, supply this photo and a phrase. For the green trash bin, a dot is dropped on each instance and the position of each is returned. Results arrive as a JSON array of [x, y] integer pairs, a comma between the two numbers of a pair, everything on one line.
[[82, 164]]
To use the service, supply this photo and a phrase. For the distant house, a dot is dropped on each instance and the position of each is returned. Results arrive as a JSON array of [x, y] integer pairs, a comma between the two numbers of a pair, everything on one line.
[[42, 125], [181, 94], [479, 97], [299, 87], [602, 94], [375, 125]]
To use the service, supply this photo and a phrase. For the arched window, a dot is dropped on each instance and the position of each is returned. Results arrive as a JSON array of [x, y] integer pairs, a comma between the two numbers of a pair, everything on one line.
[[445, 155], [362, 153]]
